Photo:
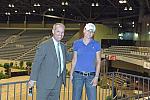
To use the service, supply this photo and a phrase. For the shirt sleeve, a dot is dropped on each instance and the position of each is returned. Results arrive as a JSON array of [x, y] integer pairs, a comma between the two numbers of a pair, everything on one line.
[[98, 46], [75, 46]]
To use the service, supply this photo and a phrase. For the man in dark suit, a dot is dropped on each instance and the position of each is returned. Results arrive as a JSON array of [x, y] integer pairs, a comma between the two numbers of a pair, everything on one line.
[[49, 66]]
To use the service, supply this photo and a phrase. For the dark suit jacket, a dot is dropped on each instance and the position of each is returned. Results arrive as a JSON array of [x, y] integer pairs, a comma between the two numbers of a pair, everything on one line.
[[45, 65]]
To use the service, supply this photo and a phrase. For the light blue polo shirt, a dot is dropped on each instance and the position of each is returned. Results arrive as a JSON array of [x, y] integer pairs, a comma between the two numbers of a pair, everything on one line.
[[86, 55]]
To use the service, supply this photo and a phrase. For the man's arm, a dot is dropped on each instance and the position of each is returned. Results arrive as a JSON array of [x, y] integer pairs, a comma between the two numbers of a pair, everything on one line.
[[39, 56], [74, 60]]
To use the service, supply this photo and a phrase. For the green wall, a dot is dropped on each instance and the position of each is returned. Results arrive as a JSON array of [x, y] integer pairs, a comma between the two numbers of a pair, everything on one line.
[[104, 32]]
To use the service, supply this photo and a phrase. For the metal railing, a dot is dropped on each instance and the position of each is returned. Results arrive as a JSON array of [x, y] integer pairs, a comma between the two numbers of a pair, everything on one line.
[[127, 86], [111, 86]]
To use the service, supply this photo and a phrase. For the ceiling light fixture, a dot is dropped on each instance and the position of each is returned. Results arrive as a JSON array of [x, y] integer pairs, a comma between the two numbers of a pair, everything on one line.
[[66, 3], [120, 25], [93, 5], [97, 4], [125, 8], [122, 1], [52, 9], [7, 13], [132, 25], [33, 11], [37, 5], [62, 3], [133, 22], [11, 5], [28, 13], [130, 8]]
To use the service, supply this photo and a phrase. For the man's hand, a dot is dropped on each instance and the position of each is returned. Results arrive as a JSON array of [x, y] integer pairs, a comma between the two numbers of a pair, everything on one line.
[[31, 83], [94, 81]]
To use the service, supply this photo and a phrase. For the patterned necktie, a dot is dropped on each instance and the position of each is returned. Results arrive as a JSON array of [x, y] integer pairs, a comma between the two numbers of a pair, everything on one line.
[[59, 60]]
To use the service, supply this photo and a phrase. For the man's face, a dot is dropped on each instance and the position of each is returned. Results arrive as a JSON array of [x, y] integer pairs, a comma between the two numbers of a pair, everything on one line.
[[58, 32]]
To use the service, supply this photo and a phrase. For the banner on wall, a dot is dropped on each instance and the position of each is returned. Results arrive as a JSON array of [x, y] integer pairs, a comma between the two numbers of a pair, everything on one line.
[[112, 57]]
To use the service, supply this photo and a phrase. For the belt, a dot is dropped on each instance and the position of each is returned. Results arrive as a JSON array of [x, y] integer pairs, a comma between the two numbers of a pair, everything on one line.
[[85, 73]]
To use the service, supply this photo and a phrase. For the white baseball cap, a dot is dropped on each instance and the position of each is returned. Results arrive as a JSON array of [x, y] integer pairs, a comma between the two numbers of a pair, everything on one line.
[[90, 27]]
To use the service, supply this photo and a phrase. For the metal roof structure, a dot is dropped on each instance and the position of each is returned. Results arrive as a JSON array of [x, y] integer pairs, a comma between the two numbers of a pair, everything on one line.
[[113, 13]]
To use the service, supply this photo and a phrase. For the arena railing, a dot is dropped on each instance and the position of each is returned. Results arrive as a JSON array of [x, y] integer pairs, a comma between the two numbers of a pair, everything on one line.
[[111, 86]]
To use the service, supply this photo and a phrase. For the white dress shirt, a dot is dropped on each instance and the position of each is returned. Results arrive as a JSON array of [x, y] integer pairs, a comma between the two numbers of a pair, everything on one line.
[[61, 54]]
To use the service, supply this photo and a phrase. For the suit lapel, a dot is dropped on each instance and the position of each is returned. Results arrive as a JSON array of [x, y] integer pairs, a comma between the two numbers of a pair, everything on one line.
[[52, 49]]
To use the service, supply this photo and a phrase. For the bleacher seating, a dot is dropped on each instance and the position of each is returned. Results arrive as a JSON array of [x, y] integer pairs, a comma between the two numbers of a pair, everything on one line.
[[141, 53], [21, 44]]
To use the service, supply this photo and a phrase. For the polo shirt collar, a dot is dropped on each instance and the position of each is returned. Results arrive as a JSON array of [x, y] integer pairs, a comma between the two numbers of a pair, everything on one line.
[[91, 41]]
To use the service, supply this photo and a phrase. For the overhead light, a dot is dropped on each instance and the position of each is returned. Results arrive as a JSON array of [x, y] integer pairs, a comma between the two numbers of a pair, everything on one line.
[[120, 34], [7, 13], [147, 24], [38, 5], [52, 9], [149, 32], [93, 5], [49, 9], [11, 5], [16, 11], [33, 11], [133, 22], [35, 5], [125, 8], [122, 1], [121, 38], [62, 3], [132, 25], [28, 13], [97, 4], [136, 34], [66, 3], [130, 8], [63, 9], [120, 25]]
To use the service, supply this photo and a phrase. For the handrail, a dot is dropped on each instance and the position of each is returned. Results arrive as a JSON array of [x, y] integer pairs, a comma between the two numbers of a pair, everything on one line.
[[104, 89], [127, 98], [14, 82]]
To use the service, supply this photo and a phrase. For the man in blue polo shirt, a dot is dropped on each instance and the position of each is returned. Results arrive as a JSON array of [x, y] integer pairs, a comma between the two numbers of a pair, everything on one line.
[[85, 64]]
